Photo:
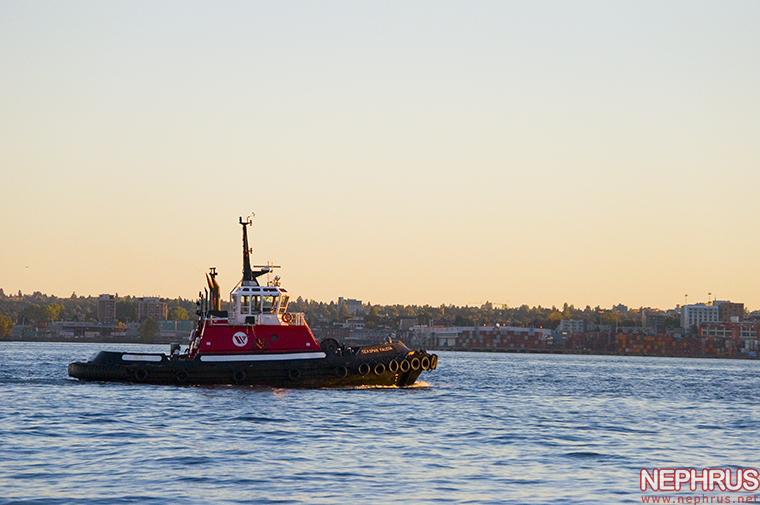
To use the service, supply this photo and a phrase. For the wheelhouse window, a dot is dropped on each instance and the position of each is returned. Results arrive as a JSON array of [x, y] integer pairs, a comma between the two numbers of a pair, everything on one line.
[[244, 304], [284, 304], [269, 303], [255, 304]]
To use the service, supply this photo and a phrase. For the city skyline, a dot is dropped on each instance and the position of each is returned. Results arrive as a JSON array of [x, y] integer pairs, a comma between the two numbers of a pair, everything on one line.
[[429, 153], [620, 307]]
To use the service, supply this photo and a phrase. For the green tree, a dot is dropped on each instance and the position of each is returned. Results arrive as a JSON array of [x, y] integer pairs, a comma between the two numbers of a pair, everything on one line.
[[6, 326], [372, 319], [344, 315], [126, 310], [672, 322], [148, 330], [32, 314], [51, 312], [178, 313]]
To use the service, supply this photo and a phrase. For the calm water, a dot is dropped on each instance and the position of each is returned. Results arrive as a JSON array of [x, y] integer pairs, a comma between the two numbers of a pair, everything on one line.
[[483, 428]]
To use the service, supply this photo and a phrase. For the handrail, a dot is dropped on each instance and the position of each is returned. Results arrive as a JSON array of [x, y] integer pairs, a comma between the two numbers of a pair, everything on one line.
[[299, 319]]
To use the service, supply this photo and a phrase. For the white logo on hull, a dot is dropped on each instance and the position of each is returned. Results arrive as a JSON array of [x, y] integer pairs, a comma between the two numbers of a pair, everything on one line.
[[240, 339]]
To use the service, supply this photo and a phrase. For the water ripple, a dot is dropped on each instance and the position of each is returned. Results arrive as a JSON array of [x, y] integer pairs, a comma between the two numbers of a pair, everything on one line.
[[483, 428]]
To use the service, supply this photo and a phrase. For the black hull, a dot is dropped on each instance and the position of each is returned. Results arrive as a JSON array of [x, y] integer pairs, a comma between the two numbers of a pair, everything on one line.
[[374, 366]]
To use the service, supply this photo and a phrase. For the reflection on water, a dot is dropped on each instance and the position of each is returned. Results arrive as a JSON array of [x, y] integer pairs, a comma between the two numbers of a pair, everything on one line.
[[483, 428]]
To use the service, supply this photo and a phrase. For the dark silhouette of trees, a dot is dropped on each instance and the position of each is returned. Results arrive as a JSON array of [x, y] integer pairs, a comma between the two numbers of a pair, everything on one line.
[[6, 326], [148, 330], [38, 308], [177, 313]]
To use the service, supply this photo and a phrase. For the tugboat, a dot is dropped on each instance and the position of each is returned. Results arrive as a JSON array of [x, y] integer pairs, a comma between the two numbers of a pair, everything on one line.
[[258, 342]]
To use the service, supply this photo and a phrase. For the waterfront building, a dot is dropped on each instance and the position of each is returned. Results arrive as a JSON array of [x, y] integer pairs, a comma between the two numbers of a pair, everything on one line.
[[80, 329], [569, 326], [151, 307], [696, 314], [433, 336], [107, 309], [653, 319], [737, 330], [728, 310], [174, 331]]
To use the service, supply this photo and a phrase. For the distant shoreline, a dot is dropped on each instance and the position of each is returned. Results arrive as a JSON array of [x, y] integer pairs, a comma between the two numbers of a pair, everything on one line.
[[102, 340], [96, 340], [584, 353]]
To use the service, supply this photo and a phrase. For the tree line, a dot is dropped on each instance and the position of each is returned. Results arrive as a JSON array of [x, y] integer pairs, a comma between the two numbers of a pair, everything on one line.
[[38, 308], [488, 314]]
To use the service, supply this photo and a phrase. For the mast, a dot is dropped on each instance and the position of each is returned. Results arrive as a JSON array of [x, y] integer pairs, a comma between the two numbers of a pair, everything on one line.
[[249, 275], [247, 272]]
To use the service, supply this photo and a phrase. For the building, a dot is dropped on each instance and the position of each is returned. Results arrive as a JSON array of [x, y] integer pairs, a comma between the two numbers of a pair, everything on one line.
[[599, 328], [174, 331], [745, 330], [728, 310], [107, 309], [569, 326], [432, 336], [354, 307], [80, 329], [151, 307], [694, 315], [653, 319], [355, 323], [407, 322], [742, 336]]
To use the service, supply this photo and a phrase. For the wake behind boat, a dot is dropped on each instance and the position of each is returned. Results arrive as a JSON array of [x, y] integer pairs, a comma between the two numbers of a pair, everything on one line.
[[258, 342]]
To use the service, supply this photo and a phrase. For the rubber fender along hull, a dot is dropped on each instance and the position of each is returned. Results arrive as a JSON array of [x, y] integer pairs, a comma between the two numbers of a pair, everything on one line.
[[336, 369]]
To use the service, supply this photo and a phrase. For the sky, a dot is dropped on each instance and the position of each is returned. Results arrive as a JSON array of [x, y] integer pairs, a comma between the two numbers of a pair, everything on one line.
[[396, 152]]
